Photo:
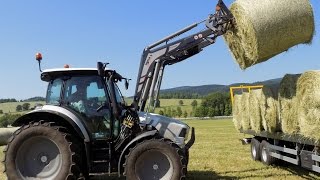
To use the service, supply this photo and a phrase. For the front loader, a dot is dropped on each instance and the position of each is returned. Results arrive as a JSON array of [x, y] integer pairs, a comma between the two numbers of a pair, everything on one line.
[[86, 129]]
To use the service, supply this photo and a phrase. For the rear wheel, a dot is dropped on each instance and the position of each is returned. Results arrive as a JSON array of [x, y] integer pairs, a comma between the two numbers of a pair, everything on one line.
[[266, 158], [255, 149], [154, 159], [42, 151]]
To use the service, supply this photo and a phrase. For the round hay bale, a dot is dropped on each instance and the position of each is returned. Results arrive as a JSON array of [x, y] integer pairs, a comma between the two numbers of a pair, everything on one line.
[[265, 28], [289, 104], [236, 111], [245, 111], [269, 110], [5, 134], [255, 110], [308, 96]]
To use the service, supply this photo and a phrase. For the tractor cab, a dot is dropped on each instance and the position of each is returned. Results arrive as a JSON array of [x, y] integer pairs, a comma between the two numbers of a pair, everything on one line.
[[89, 96]]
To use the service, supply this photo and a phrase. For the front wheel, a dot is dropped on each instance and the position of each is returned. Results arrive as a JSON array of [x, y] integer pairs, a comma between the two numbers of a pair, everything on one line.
[[154, 159], [41, 151]]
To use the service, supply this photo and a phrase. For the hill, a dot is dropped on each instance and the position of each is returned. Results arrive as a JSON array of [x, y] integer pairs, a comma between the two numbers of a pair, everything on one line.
[[203, 90]]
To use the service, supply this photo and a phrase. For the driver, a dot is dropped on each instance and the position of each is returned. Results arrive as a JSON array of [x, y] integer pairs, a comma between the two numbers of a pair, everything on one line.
[[77, 99]]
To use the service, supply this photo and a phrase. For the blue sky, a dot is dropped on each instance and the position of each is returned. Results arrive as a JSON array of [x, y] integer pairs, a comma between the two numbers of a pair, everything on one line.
[[80, 33]]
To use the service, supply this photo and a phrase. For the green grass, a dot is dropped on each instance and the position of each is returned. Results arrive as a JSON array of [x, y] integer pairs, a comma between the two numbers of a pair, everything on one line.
[[218, 154], [2, 175], [10, 107], [174, 103]]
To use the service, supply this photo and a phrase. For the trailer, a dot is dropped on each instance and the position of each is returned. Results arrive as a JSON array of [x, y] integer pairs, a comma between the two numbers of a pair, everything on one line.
[[271, 147], [295, 149]]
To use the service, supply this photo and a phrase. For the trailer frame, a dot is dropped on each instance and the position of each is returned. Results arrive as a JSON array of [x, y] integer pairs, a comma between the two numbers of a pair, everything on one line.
[[294, 149]]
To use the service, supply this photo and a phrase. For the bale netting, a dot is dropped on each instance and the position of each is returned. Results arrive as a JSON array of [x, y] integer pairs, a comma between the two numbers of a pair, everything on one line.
[[255, 110], [289, 104], [308, 95], [236, 111], [265, 28], [245, 111], [269, 110], [5, 134]]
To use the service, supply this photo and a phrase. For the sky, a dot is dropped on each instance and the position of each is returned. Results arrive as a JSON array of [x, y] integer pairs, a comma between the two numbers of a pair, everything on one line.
[[80, 33]]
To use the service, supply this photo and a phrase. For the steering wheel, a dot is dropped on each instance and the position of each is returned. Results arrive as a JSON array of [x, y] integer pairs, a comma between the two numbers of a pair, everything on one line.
[[92, 104]]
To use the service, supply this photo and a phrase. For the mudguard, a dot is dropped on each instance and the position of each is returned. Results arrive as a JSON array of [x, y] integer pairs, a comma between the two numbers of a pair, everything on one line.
[[65, 114]]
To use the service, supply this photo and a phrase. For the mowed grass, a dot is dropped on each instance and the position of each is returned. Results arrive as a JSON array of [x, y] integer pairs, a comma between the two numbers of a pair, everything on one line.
[[218, 154], [2, 175]]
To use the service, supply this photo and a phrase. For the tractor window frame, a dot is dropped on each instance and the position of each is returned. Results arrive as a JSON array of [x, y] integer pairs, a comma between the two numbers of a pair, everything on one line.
[[56, 101]]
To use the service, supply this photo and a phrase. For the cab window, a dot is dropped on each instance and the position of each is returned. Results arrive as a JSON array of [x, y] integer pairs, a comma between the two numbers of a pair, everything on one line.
[[54, 91]]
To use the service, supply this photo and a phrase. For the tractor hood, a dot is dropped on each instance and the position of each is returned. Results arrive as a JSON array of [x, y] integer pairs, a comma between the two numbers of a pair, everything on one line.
[[168, 128]]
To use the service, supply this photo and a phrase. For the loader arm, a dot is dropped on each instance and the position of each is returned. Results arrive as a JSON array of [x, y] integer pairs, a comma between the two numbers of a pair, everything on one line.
[[161, 53]]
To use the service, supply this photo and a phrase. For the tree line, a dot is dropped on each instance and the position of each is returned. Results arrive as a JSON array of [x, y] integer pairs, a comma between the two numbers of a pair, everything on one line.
[[37, 98], [8, 100], [215, 104], [180, 95]]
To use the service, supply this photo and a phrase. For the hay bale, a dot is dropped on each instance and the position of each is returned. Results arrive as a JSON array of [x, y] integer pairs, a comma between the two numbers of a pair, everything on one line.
[[236, 111], [255, 110], [289, 104], [308, 96], [5, 134], [265, 28], [245, 111], [269, 110]]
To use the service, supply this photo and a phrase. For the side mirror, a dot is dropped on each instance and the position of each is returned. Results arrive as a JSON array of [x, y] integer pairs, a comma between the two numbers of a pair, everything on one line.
[[126, 84], [100, 68]]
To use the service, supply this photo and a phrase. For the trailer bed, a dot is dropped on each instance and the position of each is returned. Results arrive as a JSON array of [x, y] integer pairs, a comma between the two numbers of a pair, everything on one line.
[[295, 138]]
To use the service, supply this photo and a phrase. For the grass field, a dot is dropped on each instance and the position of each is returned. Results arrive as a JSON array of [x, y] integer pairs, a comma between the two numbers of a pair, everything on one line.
[[218, 154], [174, 103], [164, 103], [10, 107]]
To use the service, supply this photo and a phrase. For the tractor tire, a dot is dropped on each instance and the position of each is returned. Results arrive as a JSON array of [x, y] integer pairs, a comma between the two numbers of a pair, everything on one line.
[[41, 150], [186, 156], [266, 158], [255, 149], [154, 159]]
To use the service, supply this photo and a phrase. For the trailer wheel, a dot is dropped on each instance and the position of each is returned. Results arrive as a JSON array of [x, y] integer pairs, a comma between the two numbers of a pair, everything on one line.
[[255, 149], [266, 158], [154, 159], [41, 150]]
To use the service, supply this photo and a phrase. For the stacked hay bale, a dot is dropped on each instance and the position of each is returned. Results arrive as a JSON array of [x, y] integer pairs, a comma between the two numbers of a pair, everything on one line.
[[236, 111], [245, 111], [269, 109], [296, 102], [289, 104], [265, 28], [308, 97], [255, 110]]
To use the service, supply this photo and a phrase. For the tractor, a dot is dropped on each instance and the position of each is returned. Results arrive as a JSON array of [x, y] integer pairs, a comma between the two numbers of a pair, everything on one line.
[[87, 130]]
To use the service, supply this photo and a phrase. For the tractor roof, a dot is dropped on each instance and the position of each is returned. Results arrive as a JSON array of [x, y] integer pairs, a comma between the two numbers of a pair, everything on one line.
[[50, 74]]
